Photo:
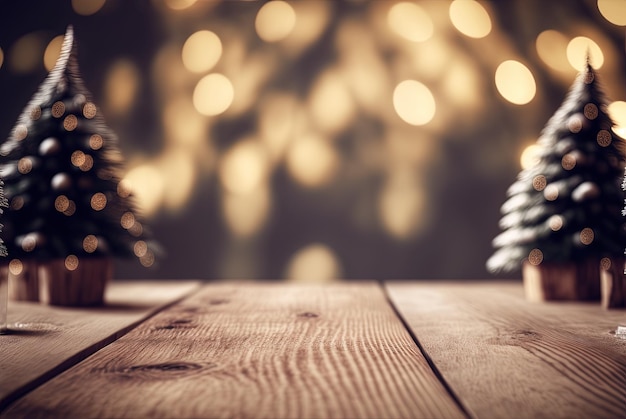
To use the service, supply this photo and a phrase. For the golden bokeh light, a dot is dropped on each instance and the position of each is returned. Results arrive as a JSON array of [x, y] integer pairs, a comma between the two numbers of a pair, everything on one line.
[[20, 132], [568, 162], [551, 47], [402, 205], [604, 138], [77, 158], [51, 54], [121, 86], [90, 243], [591, 111], [58, 109], [462, 85], [146, 182], [61, 203], [312, 19], [90, 110], [179, 4], [127, 220], [410, 21], [605, 263], [87, 7], [312, 161], [98, 201], [148, 259], [617, 111], [16, 266], [470, 18], [244, 167], [539, 183], [136, 229], [246, 214], [179, 172], [579, 48], [71, 208], [124, 188], [535, 257], [515, 82], [25, 165], [140, 248], [275, 20], [279, 116], [26, 53], [213, 94], [96, 141], [332, 107], [315, 262], [70, 123], [71, 263], [614, 11], [413, 102], [183, 126], [586, 236], [201, 51]]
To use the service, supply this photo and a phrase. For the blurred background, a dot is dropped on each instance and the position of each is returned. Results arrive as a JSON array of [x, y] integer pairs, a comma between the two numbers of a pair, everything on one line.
[[316, 140]]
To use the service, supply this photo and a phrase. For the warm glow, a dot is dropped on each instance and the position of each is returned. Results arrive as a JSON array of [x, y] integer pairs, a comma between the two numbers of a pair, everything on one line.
[[147, 187], [332, 107], [579, 48], [410, 21], [551, 47], [87, 7], [462, 85], [275, 21], [314, 263], [16, 267], [26, 53], [245, 214], [71, 263], [51, 54], [201, 51], [402, 205], [182, 124], [179, 175], [617, 111], [179, 4], [614, 11], [213, 94], [278, 116], [98, 201], [530, 156], [1, 57], [515, 82], [244, 167], [470, 18], [414, 102], [312, 161], [121, 86], [90, 243]]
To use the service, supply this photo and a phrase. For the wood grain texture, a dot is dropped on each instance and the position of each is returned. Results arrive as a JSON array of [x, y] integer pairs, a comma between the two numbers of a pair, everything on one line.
[[255, 350], [45, 340], [507, 357]]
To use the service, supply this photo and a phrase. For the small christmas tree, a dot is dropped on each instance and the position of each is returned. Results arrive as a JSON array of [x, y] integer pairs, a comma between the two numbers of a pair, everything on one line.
[[562, 221], [68, 213]]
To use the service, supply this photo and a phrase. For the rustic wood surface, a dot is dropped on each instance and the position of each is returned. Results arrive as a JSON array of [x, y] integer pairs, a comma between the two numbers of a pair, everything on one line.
[[255, 350], [44, 340], [506, 357]]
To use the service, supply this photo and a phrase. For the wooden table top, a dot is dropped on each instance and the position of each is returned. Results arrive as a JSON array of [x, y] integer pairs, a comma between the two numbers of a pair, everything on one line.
[[416, 349]]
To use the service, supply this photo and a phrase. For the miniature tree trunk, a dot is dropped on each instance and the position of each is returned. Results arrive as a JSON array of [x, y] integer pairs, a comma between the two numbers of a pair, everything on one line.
[[613, 283], [562, 281], [83, 284]]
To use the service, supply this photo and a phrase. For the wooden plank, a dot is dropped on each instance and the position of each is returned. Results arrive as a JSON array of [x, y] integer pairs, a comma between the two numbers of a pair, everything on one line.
[[507, 357], [262, 350], [45, 340]]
